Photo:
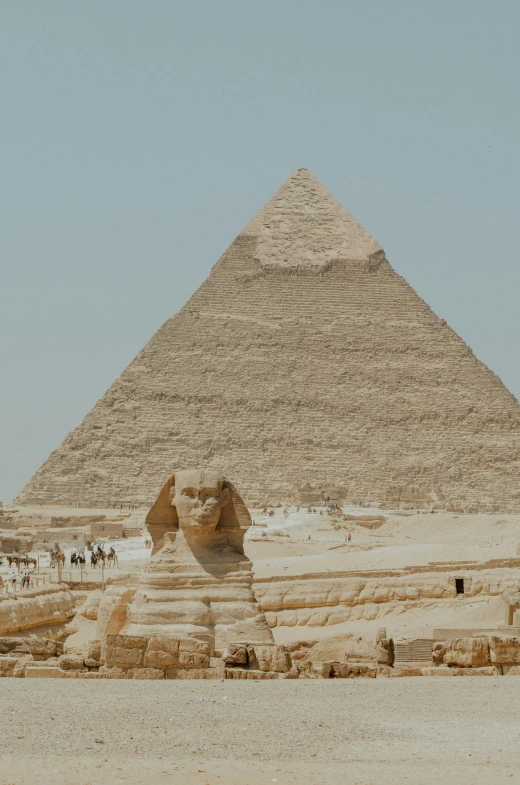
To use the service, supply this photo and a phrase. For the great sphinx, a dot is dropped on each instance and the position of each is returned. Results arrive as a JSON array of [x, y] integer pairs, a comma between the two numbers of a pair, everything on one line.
[[198, 582]]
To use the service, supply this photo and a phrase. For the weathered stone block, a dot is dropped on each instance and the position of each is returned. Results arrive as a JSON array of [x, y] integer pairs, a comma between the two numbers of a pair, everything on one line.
[[116, 673], [242, 673], [504, 649], [18, 645], [71, 662], [237, 654], [467, 652], [38, 672], [19, 668], [192, 673], [385, 651], [218, 667], [347, 670], [269, 658], [162, 652], [438, 652], [193, 645], [397, 673], [511, 670], [127, 641], [443, 670], [43, 648], [117, 656], [94, 651], [148, 673], [7, 666], [188, 659]]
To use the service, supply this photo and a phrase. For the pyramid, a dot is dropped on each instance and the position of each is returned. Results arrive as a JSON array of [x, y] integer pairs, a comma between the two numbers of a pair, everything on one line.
[[303, 367]]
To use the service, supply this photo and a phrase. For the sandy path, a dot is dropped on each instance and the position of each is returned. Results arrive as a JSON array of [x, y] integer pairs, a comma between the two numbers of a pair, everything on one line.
[[305, 732]]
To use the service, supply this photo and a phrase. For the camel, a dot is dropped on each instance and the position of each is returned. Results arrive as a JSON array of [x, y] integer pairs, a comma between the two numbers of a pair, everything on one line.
[[57, 559], [112, 560]]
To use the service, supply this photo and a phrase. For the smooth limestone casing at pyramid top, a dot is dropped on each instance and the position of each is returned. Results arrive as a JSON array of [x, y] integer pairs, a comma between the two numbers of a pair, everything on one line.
[[303, 360]]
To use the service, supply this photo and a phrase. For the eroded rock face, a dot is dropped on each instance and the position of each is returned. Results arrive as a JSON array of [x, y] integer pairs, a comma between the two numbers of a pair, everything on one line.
[[467, 653], [348, 670], [48, 606], [198, 582], [327, 600], [504, 649], [385, 651]]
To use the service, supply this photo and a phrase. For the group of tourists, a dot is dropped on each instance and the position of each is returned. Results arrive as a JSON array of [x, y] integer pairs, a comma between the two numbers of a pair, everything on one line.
[[24, 578], [77, 558], [332, 507], [99, 556]]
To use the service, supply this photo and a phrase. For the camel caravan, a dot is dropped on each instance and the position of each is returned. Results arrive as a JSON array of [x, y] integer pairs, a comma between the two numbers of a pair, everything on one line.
[[20, 561], [98, 557]]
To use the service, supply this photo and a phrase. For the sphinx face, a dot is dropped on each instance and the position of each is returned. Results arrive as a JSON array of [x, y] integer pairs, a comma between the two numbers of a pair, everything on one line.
[[199, 498]]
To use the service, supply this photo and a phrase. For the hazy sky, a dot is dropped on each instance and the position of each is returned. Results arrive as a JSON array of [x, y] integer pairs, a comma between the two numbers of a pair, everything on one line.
[[139, 137]]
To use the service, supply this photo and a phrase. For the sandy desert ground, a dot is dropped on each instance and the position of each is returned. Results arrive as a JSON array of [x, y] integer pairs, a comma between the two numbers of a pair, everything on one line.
[[426, 730], [422, 730]]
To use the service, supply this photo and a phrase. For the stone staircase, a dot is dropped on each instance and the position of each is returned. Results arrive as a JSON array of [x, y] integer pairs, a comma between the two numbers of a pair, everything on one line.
[[418, 650]]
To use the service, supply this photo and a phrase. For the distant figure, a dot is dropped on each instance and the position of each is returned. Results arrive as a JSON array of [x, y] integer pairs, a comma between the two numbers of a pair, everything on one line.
[[13, 579], [349, 537], [28, 576]]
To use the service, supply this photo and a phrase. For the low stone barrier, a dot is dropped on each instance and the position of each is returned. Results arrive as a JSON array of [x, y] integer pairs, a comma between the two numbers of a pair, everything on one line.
[[140, 657], [35, 608]]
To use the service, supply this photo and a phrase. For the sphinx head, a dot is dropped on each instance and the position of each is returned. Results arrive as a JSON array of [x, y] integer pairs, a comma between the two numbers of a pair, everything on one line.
[[200, 502], [199, 496]]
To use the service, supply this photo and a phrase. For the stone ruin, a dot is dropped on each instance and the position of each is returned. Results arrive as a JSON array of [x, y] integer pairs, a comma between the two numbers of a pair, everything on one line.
[[193, 613]]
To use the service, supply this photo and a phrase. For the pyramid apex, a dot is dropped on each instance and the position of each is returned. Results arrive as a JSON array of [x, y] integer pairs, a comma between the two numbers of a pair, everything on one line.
[[302, 224]]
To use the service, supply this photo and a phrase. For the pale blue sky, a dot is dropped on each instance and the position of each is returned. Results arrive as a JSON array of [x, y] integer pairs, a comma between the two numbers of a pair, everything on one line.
[[139, 137]]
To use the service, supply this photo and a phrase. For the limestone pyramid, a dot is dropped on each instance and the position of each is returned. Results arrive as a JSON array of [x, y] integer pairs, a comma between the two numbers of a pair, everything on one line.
[[303, 366]]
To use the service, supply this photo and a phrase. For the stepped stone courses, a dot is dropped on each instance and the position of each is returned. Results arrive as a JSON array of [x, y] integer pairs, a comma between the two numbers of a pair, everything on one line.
[[304, 362]]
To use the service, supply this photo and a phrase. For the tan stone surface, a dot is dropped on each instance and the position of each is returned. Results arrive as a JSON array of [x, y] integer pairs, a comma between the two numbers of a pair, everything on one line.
[[50, 605], [467, 652], [504, 649], [198, 582], [304, 361], [36, 671], [316, 602]]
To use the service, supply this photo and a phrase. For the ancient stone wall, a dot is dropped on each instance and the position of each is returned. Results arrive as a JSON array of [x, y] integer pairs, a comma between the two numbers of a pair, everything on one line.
[[322, 601], [35, 608]]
